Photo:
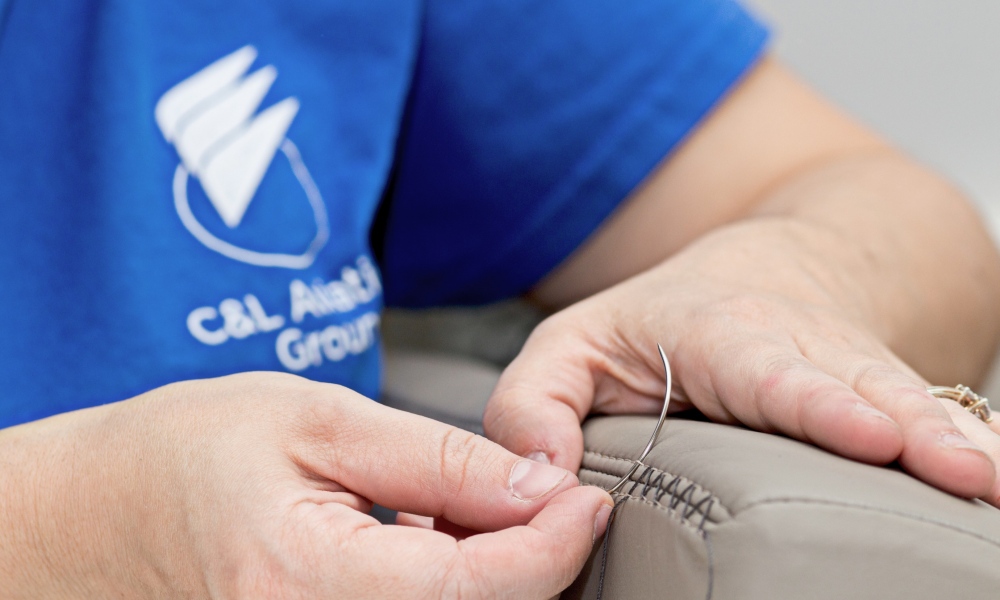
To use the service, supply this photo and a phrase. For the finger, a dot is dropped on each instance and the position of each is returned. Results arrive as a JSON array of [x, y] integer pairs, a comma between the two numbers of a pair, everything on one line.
[[540, 400], [548, 554], [443, 525], [983, 435], [537, 560], [529, 422], [331, 491], [934, 448], [362, 505], [774, 388], [410, 463], [411, 520], [545, 393]]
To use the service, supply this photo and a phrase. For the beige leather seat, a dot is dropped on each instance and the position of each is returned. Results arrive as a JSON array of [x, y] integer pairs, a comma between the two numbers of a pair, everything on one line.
[[726, 513]]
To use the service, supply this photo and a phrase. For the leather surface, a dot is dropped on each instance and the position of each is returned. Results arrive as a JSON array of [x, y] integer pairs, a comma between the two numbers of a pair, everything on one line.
[[725, 513]]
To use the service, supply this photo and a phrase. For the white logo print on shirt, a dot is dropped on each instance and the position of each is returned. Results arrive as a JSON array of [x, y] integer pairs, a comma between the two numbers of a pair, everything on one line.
[[209, 118]]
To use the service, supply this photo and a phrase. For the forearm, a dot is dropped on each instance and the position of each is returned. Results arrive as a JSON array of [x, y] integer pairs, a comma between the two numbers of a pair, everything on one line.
[[903, 252], [60, 522]]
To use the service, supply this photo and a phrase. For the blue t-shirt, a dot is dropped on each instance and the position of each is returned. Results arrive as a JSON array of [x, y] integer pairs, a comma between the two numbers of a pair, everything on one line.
[[187, 187]]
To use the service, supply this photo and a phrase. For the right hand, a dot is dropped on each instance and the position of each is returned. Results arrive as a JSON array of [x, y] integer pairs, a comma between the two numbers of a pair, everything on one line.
[[258, 485]]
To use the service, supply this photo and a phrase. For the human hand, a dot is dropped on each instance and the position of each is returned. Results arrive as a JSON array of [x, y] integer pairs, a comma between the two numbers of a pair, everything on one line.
[[257, 486], [755, 336]]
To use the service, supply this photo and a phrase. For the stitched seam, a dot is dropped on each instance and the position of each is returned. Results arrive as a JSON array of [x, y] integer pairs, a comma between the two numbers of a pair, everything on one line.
[[601, 455], [682, 517], [875, 509], [679, 492], [670, 513]]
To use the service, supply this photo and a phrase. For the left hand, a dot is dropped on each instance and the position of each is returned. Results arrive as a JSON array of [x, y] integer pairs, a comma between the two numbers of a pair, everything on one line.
[[754, 337]]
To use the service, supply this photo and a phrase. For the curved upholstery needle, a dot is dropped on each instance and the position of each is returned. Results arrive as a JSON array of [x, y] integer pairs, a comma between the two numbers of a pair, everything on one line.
[[656, 430]]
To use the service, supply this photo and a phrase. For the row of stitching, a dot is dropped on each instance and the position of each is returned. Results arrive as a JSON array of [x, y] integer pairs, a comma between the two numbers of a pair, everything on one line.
[[658, 472], [680, 497], [685, 518], [671, 514]]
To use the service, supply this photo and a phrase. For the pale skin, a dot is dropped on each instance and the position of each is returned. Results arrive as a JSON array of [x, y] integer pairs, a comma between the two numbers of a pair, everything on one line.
[[258, 486], [803, 276]]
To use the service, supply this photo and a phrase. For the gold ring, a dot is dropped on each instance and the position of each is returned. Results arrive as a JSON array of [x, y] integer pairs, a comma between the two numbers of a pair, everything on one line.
[[970, 401]]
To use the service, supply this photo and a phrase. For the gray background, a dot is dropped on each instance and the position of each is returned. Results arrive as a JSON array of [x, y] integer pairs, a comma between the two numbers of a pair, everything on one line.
[[924, 73]]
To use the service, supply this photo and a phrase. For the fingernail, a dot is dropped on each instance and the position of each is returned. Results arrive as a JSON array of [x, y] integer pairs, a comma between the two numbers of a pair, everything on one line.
[[870, 411], [601, 521], [539, 456], [957, 440], [530, 479]]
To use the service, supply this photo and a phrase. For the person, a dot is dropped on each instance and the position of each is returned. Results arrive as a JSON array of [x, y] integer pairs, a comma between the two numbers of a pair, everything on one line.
[[193, 190]]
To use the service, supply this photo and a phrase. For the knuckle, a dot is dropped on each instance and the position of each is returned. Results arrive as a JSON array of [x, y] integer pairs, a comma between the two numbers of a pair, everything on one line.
[[463, 579], [884, 385], [872, 375], [778, 374], [777, 386], [459, 450]]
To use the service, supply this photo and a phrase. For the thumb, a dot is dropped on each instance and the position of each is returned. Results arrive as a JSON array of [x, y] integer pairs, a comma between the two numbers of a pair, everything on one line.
[[573, 363], [413, 464], [543, 395]]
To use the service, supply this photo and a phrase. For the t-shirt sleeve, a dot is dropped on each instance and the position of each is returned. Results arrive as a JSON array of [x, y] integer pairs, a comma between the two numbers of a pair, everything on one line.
[[529, 122]]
